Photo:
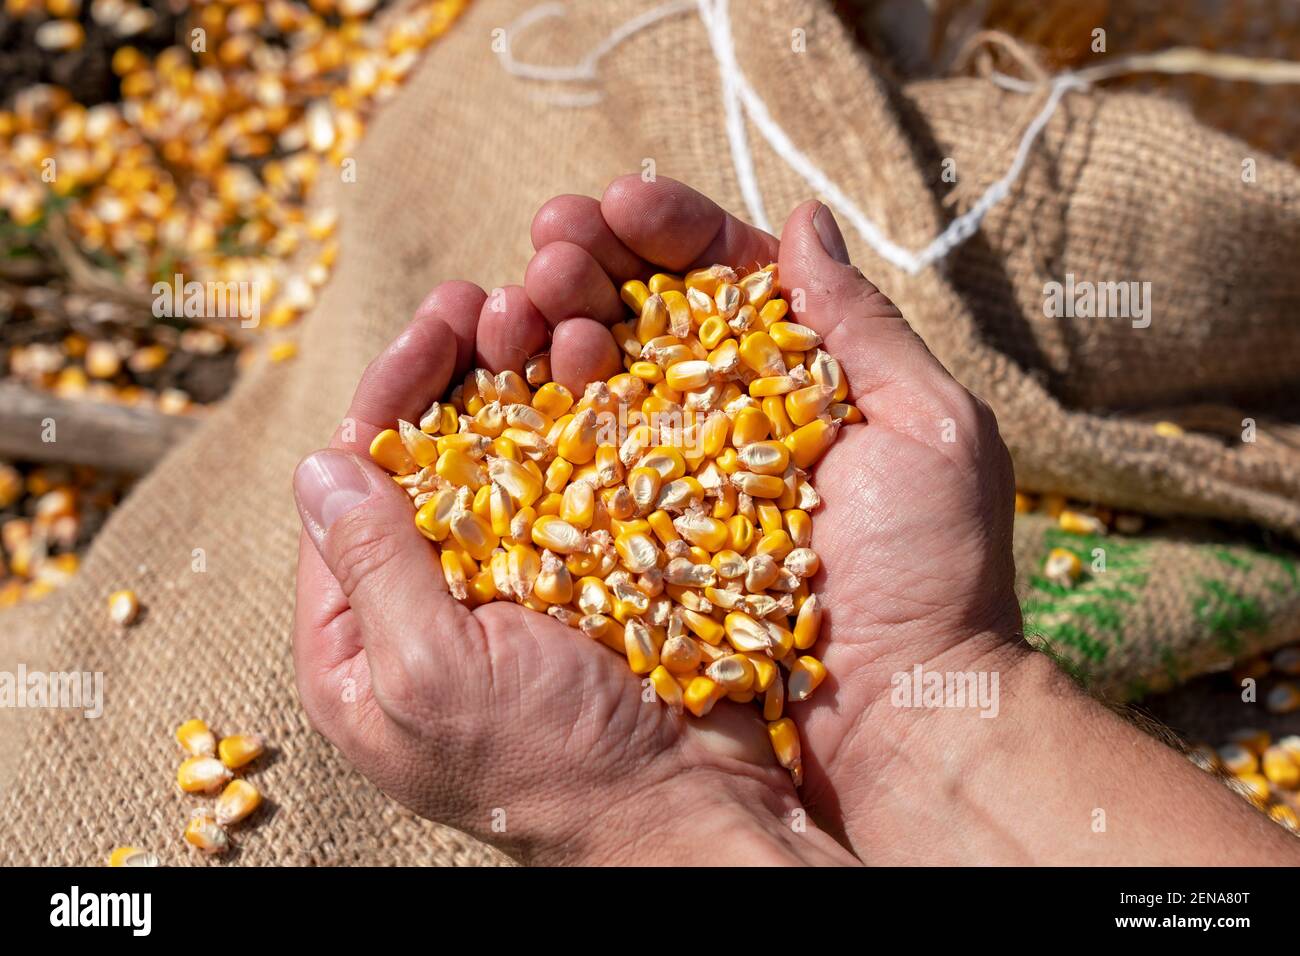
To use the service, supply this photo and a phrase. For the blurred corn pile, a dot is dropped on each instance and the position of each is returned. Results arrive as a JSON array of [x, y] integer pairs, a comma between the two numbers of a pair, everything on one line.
[[145, 141], [925, 37]]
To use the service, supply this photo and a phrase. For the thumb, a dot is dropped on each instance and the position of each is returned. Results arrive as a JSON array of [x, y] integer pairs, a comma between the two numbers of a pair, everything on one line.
[[883, 359], [361, 522]]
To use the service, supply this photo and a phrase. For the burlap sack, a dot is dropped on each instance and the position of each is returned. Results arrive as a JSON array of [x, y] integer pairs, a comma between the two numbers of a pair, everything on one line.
[[1152, 610], [448, 179]]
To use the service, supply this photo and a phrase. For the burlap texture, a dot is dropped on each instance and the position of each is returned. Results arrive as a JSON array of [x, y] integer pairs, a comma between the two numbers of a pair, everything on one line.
[[448, 179], [1154, 609]]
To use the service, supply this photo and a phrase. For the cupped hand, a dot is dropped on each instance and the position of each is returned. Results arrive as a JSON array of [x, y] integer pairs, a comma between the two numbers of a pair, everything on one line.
[[509, 725]]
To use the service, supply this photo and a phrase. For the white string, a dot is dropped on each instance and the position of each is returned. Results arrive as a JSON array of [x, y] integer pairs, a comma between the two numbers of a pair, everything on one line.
[[737, 94], [717, 21]]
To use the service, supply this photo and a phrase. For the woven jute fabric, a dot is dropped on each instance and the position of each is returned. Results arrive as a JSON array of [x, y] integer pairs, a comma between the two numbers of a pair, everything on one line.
[[447, 181]]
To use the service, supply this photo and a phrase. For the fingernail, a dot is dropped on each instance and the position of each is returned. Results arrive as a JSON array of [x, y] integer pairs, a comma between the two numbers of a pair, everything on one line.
[[327, 485], [828, 231]]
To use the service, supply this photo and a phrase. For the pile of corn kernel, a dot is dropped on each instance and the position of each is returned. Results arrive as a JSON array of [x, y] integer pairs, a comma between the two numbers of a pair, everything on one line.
[[47, 514], [206, 164], [1265, 772], [208, 769], [666, 512]]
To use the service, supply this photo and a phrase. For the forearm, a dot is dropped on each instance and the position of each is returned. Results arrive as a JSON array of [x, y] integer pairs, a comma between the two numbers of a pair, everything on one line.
[[1054, 778]]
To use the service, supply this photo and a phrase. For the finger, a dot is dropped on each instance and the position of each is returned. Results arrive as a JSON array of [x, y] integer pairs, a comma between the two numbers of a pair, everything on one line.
[[577, 219], [415, 368], [677, 228], [893, 378], [360, 522], [510, 330], [583, 351], [563, 280], [457, 303]]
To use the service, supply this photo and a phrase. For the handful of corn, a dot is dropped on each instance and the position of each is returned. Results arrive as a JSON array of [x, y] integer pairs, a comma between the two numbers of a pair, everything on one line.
[[667, 511]]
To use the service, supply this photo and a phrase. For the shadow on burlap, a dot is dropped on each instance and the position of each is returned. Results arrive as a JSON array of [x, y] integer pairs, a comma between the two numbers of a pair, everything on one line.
[[448, 179]]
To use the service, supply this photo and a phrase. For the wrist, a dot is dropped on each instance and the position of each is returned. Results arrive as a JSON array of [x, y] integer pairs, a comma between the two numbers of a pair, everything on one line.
[[702, 817]]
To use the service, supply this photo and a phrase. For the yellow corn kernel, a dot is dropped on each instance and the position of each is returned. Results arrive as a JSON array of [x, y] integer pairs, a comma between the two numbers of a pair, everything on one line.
[[553, 400], [805, 404], [1062, 567], [773, 311], [765, 457], [809, 442], [422, 449], [558, 535], [482, 504], [458, 468], [661, 523], [808, 622], [740, 533], [501, 509], [609, 469], [666, 686], [765, 672], [662, 282], [680, 654], [578, 505], [388, 451], [634, 293], [522, 482], [130, 855], [637, 551], [785, 744], [703, 626], [687, 376], [1079, 522], [577, 442], [647, 372], [523, 566], [773, 407], [728, 462], [434, 516], [758, 287], [666, 460], [845, 413], [825, 370], [774, 698], [679, 313], [1167, 430], [652, 319], [699, 529], [713, 331], [798, 523], [792, 337], [205, 834], [453, 571], [805, 677], [240, 749], [202, 775], [701, 694], [473, 533], [769, 516], [554, 582], [196, 739], [707, 280], [750, 425], [639, 644], [481, 588], [237, 802], [769, 386], [760, 353], [734, 673], [776, 545], [758, 486], [1280, 768]]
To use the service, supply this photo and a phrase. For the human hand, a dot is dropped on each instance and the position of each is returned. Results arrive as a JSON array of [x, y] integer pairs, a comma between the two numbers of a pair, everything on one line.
[[461, 713]]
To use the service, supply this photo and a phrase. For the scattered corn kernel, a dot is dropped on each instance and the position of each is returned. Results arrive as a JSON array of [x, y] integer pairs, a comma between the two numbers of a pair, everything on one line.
[[240, 749], [123, 607]]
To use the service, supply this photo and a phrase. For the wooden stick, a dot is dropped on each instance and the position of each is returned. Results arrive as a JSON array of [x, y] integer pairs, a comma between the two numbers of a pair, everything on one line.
[[85, 432]]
